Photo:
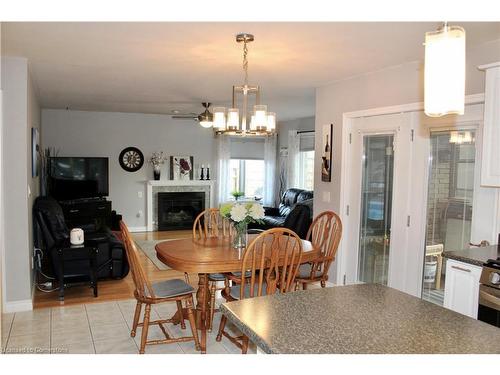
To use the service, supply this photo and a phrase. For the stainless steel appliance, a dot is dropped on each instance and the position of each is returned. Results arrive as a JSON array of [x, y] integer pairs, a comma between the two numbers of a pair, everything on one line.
[[489, 293]]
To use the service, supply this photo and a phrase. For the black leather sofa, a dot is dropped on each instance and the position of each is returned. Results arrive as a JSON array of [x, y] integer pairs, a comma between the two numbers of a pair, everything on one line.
[[52, 235], [294, 212]]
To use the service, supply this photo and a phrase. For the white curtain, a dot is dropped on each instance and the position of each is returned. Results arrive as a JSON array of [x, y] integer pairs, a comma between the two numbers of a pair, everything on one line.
[[223, 179], [293, 159], [270, 170]]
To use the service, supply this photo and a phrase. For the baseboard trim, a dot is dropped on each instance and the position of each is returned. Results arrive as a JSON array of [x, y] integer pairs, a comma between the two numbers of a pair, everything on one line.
[[17, 306], [138, 229]]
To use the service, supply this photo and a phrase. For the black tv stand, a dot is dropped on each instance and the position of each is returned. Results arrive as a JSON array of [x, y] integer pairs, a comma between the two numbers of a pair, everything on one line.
[[83, 200], [82, 212]]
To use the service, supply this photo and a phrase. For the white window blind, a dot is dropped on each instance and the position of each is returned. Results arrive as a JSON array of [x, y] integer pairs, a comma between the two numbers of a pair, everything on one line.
[[306, 141]]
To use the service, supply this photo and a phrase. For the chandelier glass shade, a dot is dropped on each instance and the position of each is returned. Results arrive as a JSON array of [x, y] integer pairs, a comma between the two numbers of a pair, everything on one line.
[[240, 119], [444, 87]]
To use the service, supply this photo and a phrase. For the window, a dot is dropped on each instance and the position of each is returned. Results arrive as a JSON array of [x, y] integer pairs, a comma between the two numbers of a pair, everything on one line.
[[247, 175], [306, 170], [305, 160]]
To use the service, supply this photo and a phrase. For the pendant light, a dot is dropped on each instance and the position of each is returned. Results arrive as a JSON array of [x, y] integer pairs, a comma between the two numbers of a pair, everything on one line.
[[444, 87]]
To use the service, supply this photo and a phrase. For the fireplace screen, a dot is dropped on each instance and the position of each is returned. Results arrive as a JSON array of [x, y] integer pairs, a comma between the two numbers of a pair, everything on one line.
[[178, 210]]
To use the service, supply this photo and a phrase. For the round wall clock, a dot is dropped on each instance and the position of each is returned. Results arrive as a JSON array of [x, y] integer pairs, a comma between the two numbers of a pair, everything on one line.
[[131, 159]]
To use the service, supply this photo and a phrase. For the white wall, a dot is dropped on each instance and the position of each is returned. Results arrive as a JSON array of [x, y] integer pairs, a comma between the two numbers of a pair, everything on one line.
[[401, 84], [20, 113], [106, 134], [392, 86]]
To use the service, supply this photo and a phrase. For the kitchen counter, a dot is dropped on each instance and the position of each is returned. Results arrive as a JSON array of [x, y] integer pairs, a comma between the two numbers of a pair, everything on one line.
[[365, 318], [476, 255]]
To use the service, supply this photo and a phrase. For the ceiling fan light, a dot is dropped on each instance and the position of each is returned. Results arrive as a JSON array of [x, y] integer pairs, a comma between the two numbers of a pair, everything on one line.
[[444, 88], [206, 123]]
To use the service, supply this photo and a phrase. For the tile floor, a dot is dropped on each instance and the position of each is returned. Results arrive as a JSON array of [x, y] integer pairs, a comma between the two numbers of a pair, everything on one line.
[[102, 328]]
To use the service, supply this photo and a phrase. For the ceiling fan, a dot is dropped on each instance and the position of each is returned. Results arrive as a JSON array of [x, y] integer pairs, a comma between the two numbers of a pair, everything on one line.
[[205, 118]]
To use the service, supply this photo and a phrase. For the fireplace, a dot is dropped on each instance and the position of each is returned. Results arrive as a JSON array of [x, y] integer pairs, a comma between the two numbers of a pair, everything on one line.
[[177, 210]]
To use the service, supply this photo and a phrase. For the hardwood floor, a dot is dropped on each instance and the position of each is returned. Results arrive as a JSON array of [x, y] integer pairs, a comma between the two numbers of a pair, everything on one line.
[[112, 290]]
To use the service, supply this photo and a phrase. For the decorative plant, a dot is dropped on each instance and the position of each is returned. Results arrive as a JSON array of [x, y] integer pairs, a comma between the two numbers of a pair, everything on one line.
[[237, 194], [157, 159], [242, 214]]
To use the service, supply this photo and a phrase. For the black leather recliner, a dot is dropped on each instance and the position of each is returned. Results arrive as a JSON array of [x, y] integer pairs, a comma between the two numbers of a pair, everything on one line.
[[294, 212], [52, 234]]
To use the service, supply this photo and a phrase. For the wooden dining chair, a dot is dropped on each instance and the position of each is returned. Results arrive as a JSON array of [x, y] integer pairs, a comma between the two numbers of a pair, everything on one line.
[[210, 224], [175, 290], [272, 259], [324, 233]]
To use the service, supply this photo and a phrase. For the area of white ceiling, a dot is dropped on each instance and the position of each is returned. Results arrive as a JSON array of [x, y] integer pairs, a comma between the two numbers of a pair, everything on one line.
[[161, 67]]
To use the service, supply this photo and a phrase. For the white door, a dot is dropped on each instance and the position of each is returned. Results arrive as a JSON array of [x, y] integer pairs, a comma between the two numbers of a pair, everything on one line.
[[386, 230], [378, 183], [457, 210]]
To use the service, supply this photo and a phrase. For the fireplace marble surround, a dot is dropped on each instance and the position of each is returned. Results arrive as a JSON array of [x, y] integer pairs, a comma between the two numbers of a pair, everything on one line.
[[153, 187]]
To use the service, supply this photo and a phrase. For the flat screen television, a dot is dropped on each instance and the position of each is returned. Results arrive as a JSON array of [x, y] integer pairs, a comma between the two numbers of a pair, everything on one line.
[[78, 178]]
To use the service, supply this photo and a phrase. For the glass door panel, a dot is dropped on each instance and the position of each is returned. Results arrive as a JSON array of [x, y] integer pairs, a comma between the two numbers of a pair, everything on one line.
[[449, 204], [376, 207]]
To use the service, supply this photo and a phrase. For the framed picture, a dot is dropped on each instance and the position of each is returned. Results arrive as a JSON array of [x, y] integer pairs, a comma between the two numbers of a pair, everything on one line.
[[35, 151], [326, 157], [181, 168]]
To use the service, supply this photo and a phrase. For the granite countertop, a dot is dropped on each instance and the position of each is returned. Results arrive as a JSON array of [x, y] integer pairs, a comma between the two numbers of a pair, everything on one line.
[[365, 318], [475, 255]]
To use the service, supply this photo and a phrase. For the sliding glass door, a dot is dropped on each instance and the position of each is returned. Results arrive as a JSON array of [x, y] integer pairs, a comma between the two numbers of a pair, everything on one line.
[[449, 204]]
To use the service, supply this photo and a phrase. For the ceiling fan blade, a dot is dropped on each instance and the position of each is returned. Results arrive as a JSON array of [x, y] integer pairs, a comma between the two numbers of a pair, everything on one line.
[[184, 117]]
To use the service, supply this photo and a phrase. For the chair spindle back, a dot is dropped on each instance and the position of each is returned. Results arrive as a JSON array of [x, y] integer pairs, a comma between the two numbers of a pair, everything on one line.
[[210, 224], [325, 233], [273, 258]]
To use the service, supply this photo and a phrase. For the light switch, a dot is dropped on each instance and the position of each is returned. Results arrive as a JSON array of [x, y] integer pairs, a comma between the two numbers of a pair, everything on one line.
[[326, 196], [139, 213], [139, 194]]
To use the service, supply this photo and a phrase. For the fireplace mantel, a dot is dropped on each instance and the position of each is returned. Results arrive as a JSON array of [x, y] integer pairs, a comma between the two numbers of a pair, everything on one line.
[[155, 186]]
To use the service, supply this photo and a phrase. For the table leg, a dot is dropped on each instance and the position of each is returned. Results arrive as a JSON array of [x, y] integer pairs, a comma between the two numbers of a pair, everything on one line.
[[202, 298], [93, 270]]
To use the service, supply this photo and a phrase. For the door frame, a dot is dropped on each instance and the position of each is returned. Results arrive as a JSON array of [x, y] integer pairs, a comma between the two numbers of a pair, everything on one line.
[[352, 233], [346, 136]]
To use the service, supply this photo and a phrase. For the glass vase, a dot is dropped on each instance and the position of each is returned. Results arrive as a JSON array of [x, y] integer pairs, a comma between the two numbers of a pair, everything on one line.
[[240, 236]]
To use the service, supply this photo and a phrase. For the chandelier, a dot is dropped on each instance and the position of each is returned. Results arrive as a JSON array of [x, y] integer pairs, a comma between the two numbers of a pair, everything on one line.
[[239, 120]]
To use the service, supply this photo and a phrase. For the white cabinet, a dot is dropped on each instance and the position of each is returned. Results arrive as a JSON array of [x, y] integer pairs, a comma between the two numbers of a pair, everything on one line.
[[490, 166], [461, 291]]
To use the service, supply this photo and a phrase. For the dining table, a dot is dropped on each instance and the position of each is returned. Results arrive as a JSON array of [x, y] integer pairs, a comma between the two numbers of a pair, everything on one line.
[[206, 256]]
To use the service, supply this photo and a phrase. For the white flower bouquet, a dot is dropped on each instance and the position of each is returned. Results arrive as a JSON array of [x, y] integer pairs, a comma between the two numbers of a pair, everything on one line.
[[242, 214], [157, 159]]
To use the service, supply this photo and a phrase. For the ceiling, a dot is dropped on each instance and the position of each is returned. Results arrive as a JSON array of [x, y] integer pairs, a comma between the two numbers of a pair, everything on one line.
[[165, 67]]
